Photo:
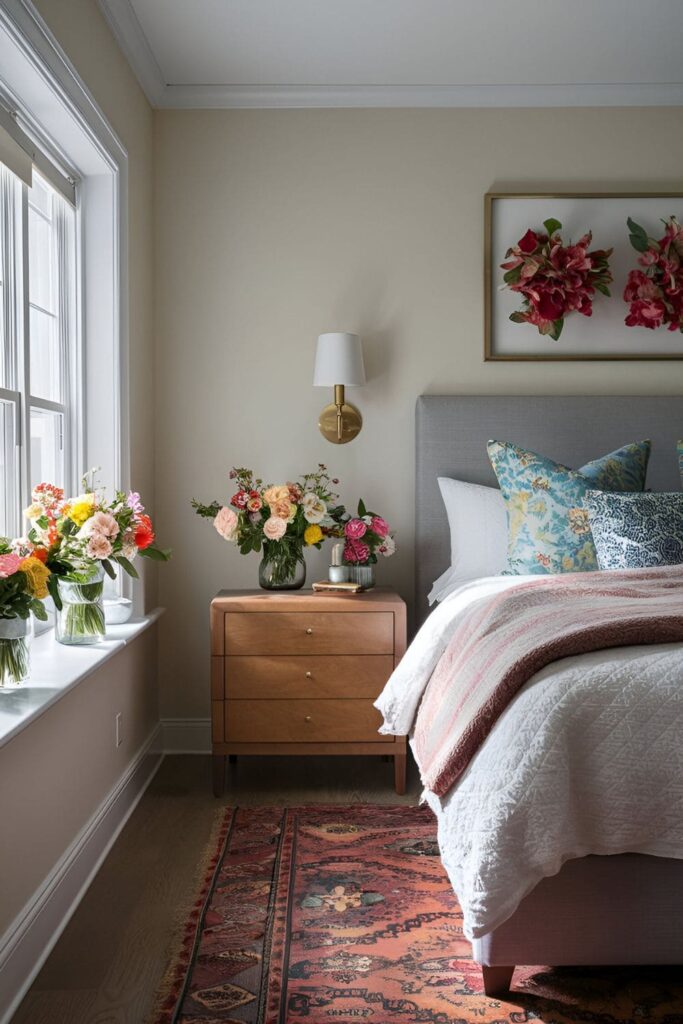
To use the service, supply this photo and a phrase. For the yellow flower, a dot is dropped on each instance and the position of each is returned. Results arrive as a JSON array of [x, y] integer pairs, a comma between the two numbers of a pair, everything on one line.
[[82, 508], [34, 511], [313, 534], [36, 575]]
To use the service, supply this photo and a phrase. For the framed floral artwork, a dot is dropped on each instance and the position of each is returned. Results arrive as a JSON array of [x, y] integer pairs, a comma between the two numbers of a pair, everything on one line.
[[574, 276]]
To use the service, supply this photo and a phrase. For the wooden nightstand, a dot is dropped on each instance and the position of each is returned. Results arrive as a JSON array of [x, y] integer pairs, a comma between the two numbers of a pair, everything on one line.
[[297, 673]]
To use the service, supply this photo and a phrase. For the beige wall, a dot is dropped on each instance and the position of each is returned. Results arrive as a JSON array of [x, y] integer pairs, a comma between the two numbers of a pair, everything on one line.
[[273, 226]]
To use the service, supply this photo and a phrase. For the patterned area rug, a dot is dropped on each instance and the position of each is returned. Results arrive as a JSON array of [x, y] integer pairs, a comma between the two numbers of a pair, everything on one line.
[[325, 914]]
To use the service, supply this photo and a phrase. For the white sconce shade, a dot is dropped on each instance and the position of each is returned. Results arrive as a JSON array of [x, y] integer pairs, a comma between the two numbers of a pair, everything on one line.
[[339, 360]]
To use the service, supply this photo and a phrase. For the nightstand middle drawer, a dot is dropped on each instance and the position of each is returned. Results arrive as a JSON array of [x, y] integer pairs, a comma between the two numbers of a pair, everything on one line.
[[248, 633], [303, 677]]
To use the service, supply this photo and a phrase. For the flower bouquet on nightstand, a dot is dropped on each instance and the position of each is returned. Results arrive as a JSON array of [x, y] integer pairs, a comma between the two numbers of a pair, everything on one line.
[[278, 520], [367, 535]]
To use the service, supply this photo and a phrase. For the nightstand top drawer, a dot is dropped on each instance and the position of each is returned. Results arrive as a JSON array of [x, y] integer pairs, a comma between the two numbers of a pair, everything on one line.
[[315, 632]]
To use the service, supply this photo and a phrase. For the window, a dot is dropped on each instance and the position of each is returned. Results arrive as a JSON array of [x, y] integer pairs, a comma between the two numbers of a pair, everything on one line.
[[39, 393]]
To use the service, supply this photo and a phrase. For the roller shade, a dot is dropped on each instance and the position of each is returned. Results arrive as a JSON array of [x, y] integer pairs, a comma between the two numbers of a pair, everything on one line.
[[20, 154], [15, 158]]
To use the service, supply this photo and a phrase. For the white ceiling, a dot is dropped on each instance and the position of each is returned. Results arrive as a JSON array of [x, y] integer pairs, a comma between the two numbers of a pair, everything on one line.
[[236, 53]]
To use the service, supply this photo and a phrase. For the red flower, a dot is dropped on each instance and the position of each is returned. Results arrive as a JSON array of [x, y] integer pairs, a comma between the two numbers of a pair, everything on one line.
[[551, 305], [40, 554], [144, 532], [529, 242], [356, 551], [240, 499]]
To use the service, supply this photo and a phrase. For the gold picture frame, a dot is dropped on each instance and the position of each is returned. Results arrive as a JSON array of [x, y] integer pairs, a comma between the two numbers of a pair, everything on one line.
[[608, 208]]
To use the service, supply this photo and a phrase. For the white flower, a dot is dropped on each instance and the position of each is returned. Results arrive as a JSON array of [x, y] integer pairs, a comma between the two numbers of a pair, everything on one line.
[[367, 520], [387, 547], [314, 508]]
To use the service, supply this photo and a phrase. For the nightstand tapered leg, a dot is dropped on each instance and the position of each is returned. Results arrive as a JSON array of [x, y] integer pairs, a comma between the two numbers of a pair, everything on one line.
[[218, 772], [400, 773]]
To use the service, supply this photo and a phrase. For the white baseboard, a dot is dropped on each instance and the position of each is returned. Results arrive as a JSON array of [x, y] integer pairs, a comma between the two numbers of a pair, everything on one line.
[[30, 938], [186, 735]]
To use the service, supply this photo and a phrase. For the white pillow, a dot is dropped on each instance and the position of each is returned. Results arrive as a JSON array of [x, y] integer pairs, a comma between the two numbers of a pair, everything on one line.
[[477, 518]]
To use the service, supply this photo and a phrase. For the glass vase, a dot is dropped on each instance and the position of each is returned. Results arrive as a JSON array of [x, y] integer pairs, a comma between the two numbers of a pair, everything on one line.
[[277, 574], [364, 575], [15, 652], [81, 618]]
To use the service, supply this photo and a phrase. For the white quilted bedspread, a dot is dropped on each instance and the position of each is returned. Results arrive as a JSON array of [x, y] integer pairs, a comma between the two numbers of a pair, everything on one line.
[[588, 758]]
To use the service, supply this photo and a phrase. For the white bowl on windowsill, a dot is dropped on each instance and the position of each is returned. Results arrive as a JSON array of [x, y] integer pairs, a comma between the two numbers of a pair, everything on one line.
[[117, 611]]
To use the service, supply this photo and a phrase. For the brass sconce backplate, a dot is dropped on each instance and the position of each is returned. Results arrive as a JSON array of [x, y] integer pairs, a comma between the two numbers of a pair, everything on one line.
[[340, 423]]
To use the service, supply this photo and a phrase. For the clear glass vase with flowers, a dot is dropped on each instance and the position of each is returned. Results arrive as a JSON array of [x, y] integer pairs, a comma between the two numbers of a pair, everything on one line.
[[366, 536], [23, 585], [84, 538], [279, 521]]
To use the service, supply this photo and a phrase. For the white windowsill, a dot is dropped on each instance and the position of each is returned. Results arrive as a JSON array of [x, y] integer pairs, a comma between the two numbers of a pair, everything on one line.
[[56, 669]]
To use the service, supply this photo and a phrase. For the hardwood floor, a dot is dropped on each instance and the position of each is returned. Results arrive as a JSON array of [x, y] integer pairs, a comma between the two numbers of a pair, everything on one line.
[[108, 963]]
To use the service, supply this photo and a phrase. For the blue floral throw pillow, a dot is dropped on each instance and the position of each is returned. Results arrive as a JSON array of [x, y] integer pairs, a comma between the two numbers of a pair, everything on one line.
[[548, 529], [636, 531]]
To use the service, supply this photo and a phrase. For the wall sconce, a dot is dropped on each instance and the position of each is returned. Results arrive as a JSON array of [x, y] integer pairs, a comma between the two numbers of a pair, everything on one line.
[[339, 364]]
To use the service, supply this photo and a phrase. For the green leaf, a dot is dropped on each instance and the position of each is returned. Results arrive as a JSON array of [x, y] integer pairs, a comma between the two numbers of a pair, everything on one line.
[[362, 511], [557, 329], [603, 289], [109, 568], [38, 609], [157, 555], [551, 225], [518, 318], [512, 276], [53, 588], [638, 236], [128, 566]]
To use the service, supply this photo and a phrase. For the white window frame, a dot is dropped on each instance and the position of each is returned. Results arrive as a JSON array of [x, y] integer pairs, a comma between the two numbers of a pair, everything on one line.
[[36, 75]]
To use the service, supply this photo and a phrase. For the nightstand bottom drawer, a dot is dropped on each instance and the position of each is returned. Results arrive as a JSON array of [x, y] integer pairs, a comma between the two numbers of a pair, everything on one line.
[[302, 721]]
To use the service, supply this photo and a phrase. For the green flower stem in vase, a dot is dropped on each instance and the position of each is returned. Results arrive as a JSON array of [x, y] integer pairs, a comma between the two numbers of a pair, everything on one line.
[[282, 567], [80, 621], [15, 639]]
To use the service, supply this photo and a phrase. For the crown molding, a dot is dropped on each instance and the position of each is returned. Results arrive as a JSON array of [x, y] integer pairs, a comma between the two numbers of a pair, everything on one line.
[[127, 29], [128, 32], [309, 96]]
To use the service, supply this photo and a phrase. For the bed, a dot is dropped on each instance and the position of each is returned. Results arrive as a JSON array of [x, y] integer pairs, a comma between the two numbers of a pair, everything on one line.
[[621, 909]]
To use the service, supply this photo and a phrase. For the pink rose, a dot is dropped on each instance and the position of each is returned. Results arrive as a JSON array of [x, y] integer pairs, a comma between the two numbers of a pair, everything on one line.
[[98, 546], [274, 528], [100, 522], [356, 551], [254, 504], [226, 523], [9, 564], [379, 526], [355, 529]]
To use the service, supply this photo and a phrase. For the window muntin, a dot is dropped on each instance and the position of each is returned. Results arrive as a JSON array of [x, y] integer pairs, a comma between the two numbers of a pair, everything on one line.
[[38, 394]]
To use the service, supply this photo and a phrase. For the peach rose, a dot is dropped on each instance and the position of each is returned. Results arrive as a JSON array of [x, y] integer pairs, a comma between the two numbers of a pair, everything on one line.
[[226, 523], [274, 528], [278, 501], [98, 546]]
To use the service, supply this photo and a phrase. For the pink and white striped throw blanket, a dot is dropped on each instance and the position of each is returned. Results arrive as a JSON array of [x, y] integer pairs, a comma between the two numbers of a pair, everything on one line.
[[500, 642]]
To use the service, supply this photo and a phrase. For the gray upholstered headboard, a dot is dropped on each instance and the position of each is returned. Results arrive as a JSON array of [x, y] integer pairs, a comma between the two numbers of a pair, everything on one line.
[[451, 436]]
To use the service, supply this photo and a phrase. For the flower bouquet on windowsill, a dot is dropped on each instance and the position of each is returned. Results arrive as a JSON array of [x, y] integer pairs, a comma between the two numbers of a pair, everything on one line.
[[23, 584], [83, 538], [278, 520], [366, 536]]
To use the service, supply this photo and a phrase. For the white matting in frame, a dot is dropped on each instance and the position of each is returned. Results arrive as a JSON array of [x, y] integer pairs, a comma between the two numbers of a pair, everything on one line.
[[604, 335]]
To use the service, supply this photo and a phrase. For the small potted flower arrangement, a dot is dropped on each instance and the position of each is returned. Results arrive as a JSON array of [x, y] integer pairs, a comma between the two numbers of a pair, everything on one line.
[[85, 537], [655, 292], [279, 521], [23, 585], [554, 279], [366, 536]]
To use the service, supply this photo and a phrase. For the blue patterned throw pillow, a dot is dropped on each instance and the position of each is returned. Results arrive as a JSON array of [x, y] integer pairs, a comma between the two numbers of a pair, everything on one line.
[[636, 531], [548, 528]]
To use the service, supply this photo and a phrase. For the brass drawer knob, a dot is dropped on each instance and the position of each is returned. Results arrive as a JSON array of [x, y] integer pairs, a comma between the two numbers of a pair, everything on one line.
[[309, 675], [309, 630], [308, 718]]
